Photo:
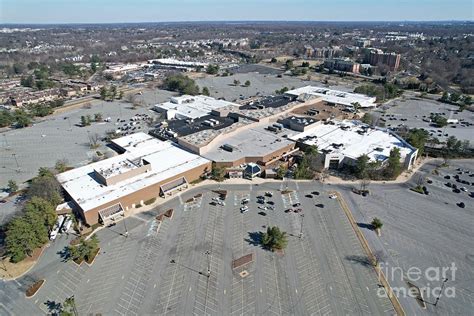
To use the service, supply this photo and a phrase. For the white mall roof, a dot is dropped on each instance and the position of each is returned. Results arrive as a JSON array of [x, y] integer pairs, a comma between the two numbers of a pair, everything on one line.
[[191, 107], [375, 143], [255, 141], [335, 96], [171, 61], [165, 158]]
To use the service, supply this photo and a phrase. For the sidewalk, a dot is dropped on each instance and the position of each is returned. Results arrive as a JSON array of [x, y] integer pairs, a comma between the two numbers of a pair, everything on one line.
[[405, 176]]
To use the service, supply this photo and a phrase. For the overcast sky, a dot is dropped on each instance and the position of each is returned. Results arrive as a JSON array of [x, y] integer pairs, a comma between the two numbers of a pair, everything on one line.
[[104, 11]]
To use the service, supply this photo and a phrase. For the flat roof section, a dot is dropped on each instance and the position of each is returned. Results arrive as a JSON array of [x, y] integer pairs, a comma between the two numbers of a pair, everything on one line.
[[165, 158], [269, 102], [298, 123], [254, 141], [204, 137], [261, 113], [353, 139], [334, 96], [191, 107], [177, 128]]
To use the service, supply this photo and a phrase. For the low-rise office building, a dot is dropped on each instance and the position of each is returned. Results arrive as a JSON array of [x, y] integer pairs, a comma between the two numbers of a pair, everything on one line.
[[145, 168], [342, 142]]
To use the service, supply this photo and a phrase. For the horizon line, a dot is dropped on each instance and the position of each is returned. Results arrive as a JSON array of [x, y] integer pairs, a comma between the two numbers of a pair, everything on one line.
[[239, 21]]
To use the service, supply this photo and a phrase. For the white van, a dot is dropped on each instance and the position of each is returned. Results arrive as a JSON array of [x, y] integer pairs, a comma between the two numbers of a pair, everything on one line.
[[55, 231], [67, 224]]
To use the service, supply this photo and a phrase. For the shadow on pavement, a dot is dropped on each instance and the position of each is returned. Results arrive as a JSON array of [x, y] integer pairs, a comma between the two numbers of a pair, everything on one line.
[[53, 307], [64, 254], [366, 226], [362, 260], [255, 239]]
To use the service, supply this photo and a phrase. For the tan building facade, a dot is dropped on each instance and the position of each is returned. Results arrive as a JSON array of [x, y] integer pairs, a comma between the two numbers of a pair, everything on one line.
[[139, 197], [145, 168]]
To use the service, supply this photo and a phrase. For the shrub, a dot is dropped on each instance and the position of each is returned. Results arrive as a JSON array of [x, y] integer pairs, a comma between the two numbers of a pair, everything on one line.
[[150, 201]]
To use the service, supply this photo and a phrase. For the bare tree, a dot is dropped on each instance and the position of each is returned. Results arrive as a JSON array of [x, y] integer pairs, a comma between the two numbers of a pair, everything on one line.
[[419, 181], [87, 105], [94, 140], [364, 184], [377, 258], [130, 98], [323, 175]]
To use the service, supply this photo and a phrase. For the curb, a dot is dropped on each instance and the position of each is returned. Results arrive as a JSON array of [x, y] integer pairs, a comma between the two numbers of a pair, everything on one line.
[[393, 298], [32, 266]]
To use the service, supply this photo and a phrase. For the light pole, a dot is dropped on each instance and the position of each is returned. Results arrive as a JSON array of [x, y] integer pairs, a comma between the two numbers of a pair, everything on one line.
[[439, 295], [301, 227], [125, 226], [208, 253], [7, 146], [285, 181], [17, 165]]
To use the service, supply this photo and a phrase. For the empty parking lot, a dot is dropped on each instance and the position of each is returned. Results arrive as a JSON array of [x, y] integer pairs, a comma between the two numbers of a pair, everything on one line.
[[163, 269], [425, 232]]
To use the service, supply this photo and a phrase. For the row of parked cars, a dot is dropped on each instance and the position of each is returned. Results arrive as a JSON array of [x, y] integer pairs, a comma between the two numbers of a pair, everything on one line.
[[459, 184]]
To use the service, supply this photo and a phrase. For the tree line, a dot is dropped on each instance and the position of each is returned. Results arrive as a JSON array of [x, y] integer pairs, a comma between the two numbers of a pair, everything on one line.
[[24, 117], [30, 230]]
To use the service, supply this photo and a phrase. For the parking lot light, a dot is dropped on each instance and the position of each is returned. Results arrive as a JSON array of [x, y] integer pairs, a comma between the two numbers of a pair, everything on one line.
[[301, 227], [208, 254], [441, 291]]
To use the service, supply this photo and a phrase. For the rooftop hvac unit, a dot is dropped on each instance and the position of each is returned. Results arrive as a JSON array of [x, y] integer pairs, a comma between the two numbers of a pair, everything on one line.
[[228, 147], [171, 134]]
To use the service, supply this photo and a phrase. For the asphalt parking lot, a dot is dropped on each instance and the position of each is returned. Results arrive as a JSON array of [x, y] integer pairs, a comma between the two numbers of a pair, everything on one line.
[[260, 84], [24, 151], [163, 269], [411, 111], [425, 232]]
